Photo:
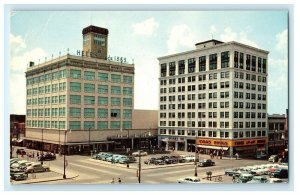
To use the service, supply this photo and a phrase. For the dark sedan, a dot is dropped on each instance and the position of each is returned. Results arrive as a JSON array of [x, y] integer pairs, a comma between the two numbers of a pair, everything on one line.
[[48, 156], [206, 163]]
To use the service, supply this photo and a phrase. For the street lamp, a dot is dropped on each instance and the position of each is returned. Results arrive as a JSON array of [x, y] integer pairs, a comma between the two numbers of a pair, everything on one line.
[[64, 176], [274, 135], [90, 141], [41, 155], [140, 166], [196, 156]]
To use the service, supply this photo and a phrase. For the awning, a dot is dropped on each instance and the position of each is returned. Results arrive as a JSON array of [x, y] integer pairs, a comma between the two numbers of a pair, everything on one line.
[[212, 147]]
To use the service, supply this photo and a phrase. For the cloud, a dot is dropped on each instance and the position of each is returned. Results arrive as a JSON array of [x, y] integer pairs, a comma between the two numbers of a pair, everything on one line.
[[279, 68], [242, 36], [281, 41], [19, 59], [212, 30], [17, 44], [181, 35], [146, 27]]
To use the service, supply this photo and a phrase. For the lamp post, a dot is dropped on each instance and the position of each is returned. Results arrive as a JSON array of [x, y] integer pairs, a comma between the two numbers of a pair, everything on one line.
[[140, 168], [90, 141], [274, 136], [41, 155], [66, 131], [196, 157]]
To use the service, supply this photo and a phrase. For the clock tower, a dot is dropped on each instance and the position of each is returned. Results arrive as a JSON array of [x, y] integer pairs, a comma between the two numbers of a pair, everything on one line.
[[95, 42]]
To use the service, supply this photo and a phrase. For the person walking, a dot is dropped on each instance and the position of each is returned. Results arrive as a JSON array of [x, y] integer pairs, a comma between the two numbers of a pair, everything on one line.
[[236, 156], [113, 180], [119, 180]]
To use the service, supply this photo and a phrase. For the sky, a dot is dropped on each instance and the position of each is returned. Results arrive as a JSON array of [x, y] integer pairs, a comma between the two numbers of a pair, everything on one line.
[[142, 37]]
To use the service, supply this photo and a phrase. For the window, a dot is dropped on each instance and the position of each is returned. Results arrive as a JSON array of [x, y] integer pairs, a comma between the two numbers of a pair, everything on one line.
[[127, 124], [191, 65], [115, 90], [127, 90], [62, 99], [225, 59], [163, 69], [89, 88], [102, 113], [172, 68], [75, 74], [181, 66], [89, 125], [202, 63], [75, 112], [102, 125], [102, 101], [127, 79], [103, 89], [62, 74], [74, 125], [75, 87], [253, 63], [115, 113], [127, 102], [89, 75], [55, 75], [62, 86], [115, 101], [115, 78], [115, 125], [54, 88], [75, 99], [89, 112], [213, 61], [103, 77], [127, 114], [89, 100]]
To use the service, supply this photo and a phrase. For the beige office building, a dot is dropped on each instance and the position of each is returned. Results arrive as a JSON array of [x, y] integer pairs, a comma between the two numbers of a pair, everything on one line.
[[79, 101], [214, 97]]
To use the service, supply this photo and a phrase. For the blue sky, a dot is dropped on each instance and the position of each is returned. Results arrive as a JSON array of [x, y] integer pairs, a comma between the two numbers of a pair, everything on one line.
[[144, 36]]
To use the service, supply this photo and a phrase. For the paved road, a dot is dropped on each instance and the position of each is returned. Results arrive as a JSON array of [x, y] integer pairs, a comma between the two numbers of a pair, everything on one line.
[[92, 171]]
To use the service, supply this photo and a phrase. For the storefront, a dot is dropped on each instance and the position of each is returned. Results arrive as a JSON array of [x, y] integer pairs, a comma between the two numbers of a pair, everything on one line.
[[245, 147]]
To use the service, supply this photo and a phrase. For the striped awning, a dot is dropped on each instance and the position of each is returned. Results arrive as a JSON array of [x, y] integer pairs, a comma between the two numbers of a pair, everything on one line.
[[212, 147]]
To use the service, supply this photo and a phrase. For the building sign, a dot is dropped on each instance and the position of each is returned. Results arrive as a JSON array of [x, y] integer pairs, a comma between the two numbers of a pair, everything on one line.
[[228, 143], [108, 58]]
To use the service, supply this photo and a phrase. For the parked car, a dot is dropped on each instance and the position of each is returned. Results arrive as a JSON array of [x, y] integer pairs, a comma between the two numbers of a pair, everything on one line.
[[106, 156], [150, 160], [37, 167], [189, 158], [244, 178], [127, 159], [280, 173], [275, 180], [14, 160], [258, 179], [206, 163], [273, 158], [261, 156], [47, 156], [142, 153], [159, 162], [189, 180], [16, 174], [230, 172], [21, 151], [99, 155]]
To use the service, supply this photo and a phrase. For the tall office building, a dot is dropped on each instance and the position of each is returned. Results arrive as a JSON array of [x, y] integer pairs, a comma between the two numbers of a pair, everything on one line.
[[89, 94], [214, 98]]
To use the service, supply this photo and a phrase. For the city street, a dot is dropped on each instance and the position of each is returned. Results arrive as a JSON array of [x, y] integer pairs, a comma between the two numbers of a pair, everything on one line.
[[86, 170]]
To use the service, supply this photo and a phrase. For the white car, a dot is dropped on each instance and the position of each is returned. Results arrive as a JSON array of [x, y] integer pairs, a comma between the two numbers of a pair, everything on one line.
[[275, 180], [142, 153], [189, 180]]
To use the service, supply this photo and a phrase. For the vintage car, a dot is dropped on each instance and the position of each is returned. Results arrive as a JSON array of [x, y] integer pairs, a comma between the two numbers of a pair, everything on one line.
[[205, 163], [189, 180]]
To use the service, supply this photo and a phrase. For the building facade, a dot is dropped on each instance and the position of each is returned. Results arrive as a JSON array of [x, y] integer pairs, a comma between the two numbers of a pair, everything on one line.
[[214, 98], [79, 101], [278, 134]]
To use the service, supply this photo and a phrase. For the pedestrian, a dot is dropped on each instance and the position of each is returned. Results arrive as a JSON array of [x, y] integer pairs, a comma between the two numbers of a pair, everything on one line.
[[119, 180], [233, 178], [33, 154], [236, 156], [113, 180]]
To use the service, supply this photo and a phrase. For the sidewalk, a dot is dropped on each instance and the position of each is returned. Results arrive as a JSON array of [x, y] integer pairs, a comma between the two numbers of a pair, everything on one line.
[[69, 175]]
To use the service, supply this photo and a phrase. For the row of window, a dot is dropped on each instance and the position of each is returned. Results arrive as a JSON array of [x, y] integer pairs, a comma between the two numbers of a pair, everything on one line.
[[191, 115], [77, 74], [77, 125], [76, 87], [212, 124], [76, 99], [212, 133], [183, 106], [77, 112], [47, 112], [260, 66], [102, 89]]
